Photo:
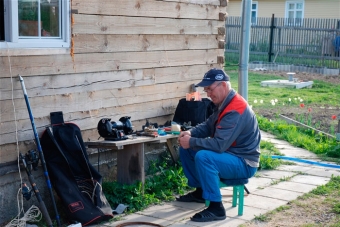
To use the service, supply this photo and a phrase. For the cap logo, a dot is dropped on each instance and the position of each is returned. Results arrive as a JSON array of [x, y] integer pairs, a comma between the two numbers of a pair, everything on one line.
[[219, 77]]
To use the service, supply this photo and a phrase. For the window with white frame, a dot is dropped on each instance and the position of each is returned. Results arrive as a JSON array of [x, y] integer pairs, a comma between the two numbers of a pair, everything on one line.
[[254, 7], [34, 23], [294, 12]]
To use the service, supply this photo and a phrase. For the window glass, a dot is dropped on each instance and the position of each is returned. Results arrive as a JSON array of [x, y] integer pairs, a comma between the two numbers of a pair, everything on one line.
[[299, 14], [299, 6], [291, 14], [291, 6], [38, 20]]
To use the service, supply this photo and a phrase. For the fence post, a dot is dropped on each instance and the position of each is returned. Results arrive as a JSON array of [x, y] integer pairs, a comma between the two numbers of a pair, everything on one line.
[[271, 37]]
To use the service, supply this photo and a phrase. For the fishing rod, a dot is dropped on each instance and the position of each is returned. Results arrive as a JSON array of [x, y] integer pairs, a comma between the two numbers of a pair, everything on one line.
[[35, 189], [41, 155]]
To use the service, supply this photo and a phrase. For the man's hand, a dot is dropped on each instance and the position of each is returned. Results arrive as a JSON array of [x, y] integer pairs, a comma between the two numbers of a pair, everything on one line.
[[184, 141], [183, 133]]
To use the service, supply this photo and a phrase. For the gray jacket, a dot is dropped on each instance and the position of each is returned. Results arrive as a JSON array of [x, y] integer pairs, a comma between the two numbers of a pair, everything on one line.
[[232, 128]]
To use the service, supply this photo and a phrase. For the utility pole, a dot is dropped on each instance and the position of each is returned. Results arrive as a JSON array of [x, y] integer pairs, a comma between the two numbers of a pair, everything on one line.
[[244, 52]]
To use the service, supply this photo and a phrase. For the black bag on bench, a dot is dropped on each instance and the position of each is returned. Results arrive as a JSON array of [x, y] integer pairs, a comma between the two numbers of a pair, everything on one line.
[[75, 180], [194, 111]]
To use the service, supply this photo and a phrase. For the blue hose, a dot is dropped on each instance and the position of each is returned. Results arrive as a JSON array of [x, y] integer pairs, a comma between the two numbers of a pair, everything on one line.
[[306, 161]]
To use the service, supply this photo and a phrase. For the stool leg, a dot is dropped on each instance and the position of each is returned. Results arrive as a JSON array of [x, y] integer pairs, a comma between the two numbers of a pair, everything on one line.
[[235, 192], [241, 200]]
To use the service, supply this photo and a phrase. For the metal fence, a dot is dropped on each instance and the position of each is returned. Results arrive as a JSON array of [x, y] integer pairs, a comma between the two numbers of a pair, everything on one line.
[[306, 42]]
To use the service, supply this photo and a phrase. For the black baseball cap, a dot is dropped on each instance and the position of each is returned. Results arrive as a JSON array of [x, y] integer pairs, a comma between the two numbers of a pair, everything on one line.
[[211, 76]]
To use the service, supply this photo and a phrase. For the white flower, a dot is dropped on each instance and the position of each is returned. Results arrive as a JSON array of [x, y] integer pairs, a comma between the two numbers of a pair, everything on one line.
[[283, 104], [301, 100], [261, 101], [295, 99], [255, 101], [273, 103], [289, 99], [276, 100]]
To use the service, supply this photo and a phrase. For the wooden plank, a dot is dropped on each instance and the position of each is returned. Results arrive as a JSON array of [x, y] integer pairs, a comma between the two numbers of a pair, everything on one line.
[[148, 8], [67, 84], [41, 106], [87, 119], [96, 24], [84, 43], [103, 62], [131, 140], [206, 2]]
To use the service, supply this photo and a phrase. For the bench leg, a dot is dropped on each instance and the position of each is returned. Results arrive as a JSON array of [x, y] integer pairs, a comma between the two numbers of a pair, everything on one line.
[[130, 164]]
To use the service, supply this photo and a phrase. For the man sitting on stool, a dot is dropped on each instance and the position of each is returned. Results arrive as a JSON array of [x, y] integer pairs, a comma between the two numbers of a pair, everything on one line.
[[225, 146]]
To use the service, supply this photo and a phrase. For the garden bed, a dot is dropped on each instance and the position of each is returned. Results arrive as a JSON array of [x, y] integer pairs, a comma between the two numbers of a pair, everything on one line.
[[318, 116]]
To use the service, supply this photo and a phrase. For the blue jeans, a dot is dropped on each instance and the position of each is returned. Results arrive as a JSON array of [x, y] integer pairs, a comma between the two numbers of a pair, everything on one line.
[[204, 169]]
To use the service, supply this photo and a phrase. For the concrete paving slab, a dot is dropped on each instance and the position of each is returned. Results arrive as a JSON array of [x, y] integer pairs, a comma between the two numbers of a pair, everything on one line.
[[277, 142], [323, 172], [296, 152], [168, 212], [249, 212], [277, 193], [256, 183], [296, 168], [265, 135], [262, 202], [275, 174], [188, 206], [294, 187], [139, 218], [312, 180], [228, 222]]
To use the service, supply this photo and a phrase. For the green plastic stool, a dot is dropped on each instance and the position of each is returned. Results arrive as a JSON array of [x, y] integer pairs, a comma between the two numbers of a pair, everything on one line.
[[238, 192]]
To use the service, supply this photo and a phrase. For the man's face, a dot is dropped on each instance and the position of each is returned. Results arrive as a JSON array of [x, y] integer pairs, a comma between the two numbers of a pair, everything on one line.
[[216, 92]]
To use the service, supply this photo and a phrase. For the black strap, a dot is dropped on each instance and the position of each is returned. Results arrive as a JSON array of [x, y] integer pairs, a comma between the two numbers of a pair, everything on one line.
[[50, 133]]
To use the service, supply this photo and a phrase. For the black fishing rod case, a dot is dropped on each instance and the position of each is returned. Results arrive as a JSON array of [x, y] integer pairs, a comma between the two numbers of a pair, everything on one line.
[[76, 182]]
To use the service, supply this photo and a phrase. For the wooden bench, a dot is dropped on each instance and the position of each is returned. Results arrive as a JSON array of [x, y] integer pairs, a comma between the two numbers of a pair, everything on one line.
[[130, 157]]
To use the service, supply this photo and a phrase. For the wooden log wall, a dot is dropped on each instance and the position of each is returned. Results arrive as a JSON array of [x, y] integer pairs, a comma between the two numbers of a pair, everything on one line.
[[127, 58]]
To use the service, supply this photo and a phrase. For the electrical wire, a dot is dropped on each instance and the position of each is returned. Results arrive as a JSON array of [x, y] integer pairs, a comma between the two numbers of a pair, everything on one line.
[[19, 198]]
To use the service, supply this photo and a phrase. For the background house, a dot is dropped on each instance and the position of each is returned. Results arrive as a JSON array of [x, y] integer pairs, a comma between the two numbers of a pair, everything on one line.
[[105, 59], [288, 8]]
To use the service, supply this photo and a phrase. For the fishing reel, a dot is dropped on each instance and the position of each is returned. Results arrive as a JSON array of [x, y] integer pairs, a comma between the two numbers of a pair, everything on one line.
[[26, 191], [115, 130], [32, 159]]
